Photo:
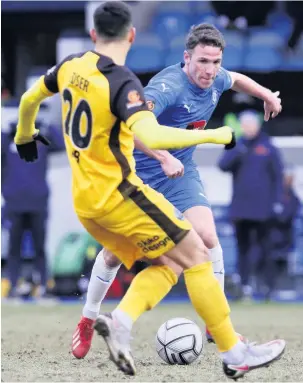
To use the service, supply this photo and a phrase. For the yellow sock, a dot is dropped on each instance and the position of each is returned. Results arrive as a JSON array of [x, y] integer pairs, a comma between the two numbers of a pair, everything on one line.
[[210, 303], [147, 289]]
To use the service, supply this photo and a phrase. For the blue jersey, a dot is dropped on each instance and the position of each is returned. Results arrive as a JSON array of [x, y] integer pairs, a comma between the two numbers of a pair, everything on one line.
[[178, 103]]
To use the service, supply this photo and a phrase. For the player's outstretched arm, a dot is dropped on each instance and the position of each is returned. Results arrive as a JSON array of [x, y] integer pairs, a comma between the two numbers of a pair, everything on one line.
[[272, 101], [28, 110], [156, 136]]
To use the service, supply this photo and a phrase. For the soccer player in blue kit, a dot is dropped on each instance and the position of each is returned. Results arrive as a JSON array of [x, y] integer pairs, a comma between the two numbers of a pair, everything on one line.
[[184, 96]]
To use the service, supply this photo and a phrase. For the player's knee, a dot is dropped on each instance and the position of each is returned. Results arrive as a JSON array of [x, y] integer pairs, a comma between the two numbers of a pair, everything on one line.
[[190, 252], [166, 261], [209, 238], [177, 269], [109, 258]]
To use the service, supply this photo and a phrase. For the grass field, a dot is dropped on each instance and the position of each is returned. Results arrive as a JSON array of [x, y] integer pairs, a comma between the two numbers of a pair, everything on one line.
[[36, 345]]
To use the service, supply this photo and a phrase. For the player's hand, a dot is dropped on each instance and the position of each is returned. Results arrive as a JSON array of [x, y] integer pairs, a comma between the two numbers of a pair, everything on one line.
[[272, 106], [28, 151], [172, 167], [233, 141]]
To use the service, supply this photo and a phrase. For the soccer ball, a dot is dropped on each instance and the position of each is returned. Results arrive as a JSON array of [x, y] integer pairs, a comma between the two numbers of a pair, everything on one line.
[[179, 341]]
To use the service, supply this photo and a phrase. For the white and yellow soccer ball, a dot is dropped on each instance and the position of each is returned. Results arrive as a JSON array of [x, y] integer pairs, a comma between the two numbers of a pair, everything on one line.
[[179, 341]]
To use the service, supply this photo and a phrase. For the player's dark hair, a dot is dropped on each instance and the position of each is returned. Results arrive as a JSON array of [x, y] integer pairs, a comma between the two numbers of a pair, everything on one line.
[[204, 34], [112, 20]]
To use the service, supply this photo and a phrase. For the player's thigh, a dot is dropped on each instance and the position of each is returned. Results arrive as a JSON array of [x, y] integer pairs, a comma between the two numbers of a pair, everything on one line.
[[189, 252], [202, 220], [148, 221], [115, 245], [185, 192]]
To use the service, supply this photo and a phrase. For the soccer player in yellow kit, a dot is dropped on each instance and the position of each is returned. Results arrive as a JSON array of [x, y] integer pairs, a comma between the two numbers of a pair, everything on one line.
[[103, 107]]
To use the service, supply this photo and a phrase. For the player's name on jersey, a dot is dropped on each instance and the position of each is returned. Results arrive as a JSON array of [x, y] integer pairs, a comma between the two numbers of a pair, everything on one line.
[[79, 81]]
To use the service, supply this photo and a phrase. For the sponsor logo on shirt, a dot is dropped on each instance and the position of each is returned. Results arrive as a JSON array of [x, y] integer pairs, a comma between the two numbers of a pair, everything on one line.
[[152, 244], [200, 125], [187, 107], [164, 87]]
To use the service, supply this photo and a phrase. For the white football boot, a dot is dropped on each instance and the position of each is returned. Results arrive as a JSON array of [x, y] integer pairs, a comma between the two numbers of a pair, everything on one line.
[[117, 338], [255, 356]]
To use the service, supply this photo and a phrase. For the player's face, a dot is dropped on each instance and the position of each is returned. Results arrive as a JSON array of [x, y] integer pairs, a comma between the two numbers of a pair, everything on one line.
[[202, 64]]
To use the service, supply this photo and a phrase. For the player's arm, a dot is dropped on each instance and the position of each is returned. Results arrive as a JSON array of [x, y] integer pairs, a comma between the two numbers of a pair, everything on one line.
[[28, 110], [244, 84], [128, 104], [155, 136], [27, 135]]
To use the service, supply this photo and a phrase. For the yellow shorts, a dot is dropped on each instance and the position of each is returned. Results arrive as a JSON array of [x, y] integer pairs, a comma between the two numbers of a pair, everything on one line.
[[145, 224]]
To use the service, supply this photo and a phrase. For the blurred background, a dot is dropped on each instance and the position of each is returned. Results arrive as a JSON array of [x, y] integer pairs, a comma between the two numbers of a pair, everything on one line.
[[264, 40]]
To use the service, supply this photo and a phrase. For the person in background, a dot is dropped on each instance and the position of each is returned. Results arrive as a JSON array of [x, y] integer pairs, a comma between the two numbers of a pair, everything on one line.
[[257, 176], [25, 192], [295, 10], [283, 233], [241, 14]]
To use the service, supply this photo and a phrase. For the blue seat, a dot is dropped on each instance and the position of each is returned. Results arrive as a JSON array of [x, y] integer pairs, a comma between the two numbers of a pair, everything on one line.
[[233, 58], [281, 22], [173, 57], [233, 55], [167, 7], [234, 39], [146, 55], [169, 25], [293, 62], [262, 59], [230, 254], [209, 17], [202, 7], [176, 50], [266, 37]]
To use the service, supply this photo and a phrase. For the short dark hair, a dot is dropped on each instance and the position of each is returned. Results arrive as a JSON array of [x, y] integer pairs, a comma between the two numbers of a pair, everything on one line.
[[205, 34], [112, 20]]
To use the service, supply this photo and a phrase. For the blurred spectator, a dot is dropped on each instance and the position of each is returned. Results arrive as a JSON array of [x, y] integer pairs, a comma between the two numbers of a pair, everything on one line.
[[25, 192], [240, 14], [295, 10], [257, 174], [283, 233], [5, 93]]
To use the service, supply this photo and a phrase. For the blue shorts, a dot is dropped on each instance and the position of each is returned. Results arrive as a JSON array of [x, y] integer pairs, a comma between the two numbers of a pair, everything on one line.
[[184, 192]]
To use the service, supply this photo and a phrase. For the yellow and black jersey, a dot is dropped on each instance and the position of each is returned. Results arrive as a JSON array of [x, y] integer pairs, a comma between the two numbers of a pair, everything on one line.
[[98, 97]]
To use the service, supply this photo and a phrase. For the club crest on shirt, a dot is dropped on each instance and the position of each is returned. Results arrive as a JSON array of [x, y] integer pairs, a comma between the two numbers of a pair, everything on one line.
[[150, 105], [215, 96], [134, 99]]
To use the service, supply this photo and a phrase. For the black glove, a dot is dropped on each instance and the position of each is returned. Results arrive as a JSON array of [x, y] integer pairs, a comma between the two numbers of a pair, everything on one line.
[[232, 143], [28, 152]]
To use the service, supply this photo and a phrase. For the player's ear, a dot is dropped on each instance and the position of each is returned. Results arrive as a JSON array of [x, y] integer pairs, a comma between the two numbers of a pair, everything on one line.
[[186, 57], [132, 35], [93, 35]]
